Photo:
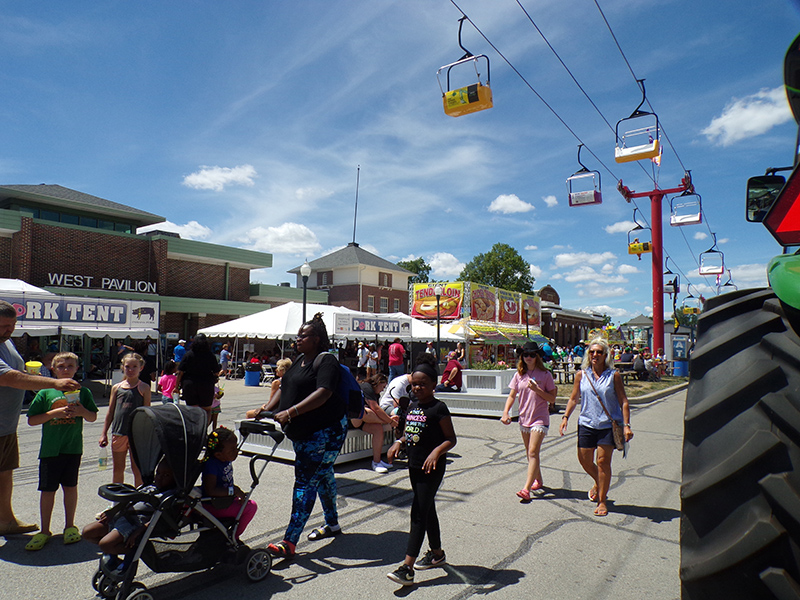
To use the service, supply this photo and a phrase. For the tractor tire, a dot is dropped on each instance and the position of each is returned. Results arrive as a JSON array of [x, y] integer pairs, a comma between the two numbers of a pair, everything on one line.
[[740, 493]]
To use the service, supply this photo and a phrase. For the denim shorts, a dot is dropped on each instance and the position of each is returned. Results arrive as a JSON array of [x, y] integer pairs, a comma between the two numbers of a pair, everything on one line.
[[126, 525]]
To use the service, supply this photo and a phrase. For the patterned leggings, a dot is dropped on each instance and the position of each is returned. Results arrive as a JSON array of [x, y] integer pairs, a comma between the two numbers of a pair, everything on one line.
[[313, 474]]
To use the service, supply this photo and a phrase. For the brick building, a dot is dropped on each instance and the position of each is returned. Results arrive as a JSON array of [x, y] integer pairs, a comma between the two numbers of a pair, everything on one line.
[[359, 280], [566, 326], [76, 244]]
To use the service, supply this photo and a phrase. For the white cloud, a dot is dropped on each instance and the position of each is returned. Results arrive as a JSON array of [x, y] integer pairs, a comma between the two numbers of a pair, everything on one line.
[[190, 231], [620, 227], [596, 290], [311, 193], [748, 117], [536, 272], [627, 269], [289, 238], [587, 273], [551, 201], [604, 309], [607, 268], [508, 204], [445, 266], [699, 235], [754, 275], [216, 178], [571, 259], [531, 247], [723, 240]]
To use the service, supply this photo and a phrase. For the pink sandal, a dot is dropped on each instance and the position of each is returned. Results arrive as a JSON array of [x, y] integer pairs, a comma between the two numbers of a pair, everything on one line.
[[524, 494]]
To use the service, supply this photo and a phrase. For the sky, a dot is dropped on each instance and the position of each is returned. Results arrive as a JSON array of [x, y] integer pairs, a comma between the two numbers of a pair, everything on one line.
[[246, 123]]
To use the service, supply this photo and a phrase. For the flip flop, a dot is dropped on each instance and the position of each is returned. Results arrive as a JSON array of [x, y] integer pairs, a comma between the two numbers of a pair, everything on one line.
[[600, 512], [38, 541], [592, 497], [71, 535]]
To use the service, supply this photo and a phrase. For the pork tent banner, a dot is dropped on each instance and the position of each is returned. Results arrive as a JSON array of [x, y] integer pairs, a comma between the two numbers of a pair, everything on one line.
[[40, 312]]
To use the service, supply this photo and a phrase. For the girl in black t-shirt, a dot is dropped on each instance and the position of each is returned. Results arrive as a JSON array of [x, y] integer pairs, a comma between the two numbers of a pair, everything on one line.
[[428, 436]]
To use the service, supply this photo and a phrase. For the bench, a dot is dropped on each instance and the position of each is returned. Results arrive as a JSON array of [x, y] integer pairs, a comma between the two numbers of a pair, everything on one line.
[[357, 445]]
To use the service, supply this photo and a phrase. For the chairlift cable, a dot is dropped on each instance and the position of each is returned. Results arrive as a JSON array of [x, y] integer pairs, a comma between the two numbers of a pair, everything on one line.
[[575, 135], [580, 87], [630, 68], [531, 88]]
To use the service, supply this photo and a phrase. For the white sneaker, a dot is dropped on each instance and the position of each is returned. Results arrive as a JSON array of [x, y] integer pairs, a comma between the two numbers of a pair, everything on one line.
[[379, 468], [385, 465]]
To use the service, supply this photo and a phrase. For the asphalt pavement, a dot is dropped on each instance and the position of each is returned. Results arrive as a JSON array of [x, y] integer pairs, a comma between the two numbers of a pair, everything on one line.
[[552, 547]]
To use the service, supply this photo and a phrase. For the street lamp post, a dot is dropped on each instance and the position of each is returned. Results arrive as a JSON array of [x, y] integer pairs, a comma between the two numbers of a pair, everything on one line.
[[305, 271], [437, 291]]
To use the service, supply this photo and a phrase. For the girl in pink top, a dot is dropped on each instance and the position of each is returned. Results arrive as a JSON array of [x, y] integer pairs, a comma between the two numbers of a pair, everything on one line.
[[166, 383], [537, 391]]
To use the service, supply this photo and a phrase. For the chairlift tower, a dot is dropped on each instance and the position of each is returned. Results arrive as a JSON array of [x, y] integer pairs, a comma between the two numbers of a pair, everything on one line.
[[657, 272]]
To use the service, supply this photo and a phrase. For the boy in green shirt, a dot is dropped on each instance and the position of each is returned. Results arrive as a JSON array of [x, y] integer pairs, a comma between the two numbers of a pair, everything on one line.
[[61, 416]]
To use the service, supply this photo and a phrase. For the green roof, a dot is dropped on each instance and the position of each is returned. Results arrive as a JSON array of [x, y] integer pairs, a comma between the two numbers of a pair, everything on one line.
[[65, 198]]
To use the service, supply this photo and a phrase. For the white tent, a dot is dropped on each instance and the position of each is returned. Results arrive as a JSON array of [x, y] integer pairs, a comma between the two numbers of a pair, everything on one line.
[[284, 321]]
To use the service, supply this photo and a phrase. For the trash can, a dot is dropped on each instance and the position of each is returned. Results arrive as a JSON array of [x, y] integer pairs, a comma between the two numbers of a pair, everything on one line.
[[252, 375], [680, 368]]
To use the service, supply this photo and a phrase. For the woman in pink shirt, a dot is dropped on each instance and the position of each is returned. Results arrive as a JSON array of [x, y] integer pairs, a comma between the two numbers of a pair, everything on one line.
[[536, 389]]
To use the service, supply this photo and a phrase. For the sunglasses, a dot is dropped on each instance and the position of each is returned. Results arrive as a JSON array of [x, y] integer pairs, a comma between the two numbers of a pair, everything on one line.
[[597, 351], [530, 354]]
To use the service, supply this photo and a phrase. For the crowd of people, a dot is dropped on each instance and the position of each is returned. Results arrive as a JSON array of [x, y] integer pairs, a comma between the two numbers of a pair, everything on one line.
[[304, 399]]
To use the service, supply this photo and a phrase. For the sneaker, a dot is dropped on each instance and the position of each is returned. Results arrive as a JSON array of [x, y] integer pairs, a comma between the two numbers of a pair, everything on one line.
[[429, 561], [386, 465], [404, 575], [378, 467]]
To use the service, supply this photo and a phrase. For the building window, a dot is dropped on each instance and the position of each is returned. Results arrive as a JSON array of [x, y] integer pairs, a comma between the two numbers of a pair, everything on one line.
[[49, 215], [324, 279], [89, 222], [370, 303], [384, 305], [71, 219], [396, 305], [385, 280], [123, 227]]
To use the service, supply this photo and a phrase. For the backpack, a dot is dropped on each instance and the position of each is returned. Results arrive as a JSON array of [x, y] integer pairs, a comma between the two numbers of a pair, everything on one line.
[[349, 389]]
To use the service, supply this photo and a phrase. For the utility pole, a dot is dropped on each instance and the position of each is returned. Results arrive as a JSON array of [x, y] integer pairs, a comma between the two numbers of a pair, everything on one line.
[[656, 195]]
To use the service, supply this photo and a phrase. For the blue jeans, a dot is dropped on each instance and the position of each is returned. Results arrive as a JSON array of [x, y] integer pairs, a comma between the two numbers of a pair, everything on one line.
[[396, 371], [313, 474]]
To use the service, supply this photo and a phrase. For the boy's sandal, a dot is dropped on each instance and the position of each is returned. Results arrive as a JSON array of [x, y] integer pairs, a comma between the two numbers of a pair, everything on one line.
[[320, 533], [38, 541], [282, 549], [71, 535]]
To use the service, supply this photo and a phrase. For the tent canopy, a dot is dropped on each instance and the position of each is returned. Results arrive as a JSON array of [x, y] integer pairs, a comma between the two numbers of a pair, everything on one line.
[[284, 321]]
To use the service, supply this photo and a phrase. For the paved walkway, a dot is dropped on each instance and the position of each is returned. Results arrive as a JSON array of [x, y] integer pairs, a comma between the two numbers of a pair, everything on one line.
[[551, 548]]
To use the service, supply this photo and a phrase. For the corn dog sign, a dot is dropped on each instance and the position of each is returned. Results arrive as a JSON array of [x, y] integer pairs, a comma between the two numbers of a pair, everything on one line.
[[424, 304]]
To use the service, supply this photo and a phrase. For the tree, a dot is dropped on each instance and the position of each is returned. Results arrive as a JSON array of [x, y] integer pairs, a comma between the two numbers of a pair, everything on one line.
[[418, 266], [501, 267]]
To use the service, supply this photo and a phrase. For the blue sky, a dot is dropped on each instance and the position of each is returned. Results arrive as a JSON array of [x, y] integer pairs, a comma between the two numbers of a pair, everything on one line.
[[243, 123]]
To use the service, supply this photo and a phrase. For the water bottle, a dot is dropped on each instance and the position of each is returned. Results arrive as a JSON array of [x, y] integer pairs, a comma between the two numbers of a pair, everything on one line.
[[102, 458]]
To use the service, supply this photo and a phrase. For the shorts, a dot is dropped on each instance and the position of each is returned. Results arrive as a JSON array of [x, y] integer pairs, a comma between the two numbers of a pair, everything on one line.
[[592, 438], [9, 452], [127, 524], [119, 443], [61, 470], [197, 394], [216, 409], [537, 427]]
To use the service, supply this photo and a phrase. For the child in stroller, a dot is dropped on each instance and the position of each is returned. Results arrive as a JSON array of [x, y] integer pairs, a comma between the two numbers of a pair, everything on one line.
[[182, 534]]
